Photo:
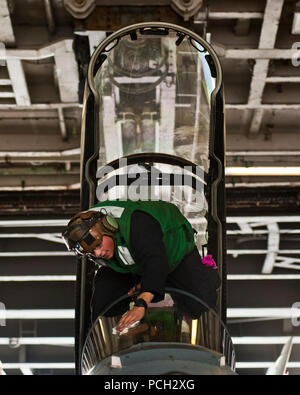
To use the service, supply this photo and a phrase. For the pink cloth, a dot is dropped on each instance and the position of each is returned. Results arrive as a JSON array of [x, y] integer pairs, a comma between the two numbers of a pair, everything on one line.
[[209, 261]]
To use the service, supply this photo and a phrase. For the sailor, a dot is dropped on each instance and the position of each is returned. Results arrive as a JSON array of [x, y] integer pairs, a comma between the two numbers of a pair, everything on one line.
[[142, 246]]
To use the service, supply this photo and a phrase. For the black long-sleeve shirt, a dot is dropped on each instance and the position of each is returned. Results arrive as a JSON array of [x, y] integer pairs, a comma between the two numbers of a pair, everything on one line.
[[146, 241]]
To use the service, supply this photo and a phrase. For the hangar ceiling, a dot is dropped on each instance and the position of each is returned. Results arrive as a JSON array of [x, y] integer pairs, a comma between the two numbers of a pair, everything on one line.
[[40, 106], [44, 52]]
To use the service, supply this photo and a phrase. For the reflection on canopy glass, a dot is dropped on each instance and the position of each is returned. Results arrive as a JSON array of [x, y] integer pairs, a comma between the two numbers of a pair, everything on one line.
[[155, 97], [174, 324]]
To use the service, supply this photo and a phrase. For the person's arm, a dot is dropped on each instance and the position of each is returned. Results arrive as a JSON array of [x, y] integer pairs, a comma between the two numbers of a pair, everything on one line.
[[146, 241], [150, 253], [135, 314]]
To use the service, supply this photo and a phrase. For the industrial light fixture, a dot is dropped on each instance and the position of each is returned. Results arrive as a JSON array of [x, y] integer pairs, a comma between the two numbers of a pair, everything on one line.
[[255, 340]]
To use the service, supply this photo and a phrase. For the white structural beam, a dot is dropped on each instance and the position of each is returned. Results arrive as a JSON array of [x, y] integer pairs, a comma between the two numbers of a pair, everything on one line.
[[228, 106], [7, 95], [261, 184], [273, 248], [37, 341], [5, 82], [66, 71], [283, 79], [262, 153], [77, 186], [26, 370], [95, 38], [62, 123], [41, 314], [276, 313], [270, 23], [42, 188], [264, 220], [66, 68], [45, 52], [70, 341], [260, 232], [228, 15], [264, 365], [260, 53], [2, 373], [234, 252], [33, 223], [237, 252], [18, 254], [49, 16], [253, 106], [275, 257], [18, 81], [229, 171], [279, 366], [267, 40], [263, 340], [258, 81], [230, 277], [261, 312], [229, 53], [71, 365], [39, 106], [72, 155], [238, 220], [6, 279], [39, 365], [55, 237], [262, 171], [6, 29], [261, 277], [287, 262], [258, 113]]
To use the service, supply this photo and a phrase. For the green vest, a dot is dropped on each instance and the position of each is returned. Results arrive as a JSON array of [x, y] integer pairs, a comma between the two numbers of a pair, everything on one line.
[[178, 234]]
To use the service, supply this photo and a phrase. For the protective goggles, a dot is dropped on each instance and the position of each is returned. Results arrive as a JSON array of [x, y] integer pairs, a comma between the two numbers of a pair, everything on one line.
[[77, 248], [78, 237]]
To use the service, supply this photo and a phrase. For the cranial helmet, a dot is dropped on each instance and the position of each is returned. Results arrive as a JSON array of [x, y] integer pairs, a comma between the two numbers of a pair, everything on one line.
[[77, 235]]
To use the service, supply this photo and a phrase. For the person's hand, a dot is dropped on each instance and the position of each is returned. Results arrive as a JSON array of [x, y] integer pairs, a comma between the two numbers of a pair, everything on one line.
[[133, 315], [134, 289], [136, 313]]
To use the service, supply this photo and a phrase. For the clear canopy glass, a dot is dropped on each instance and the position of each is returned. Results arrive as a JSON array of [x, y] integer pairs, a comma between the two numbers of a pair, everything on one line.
[[155, 96], [154, 90]]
